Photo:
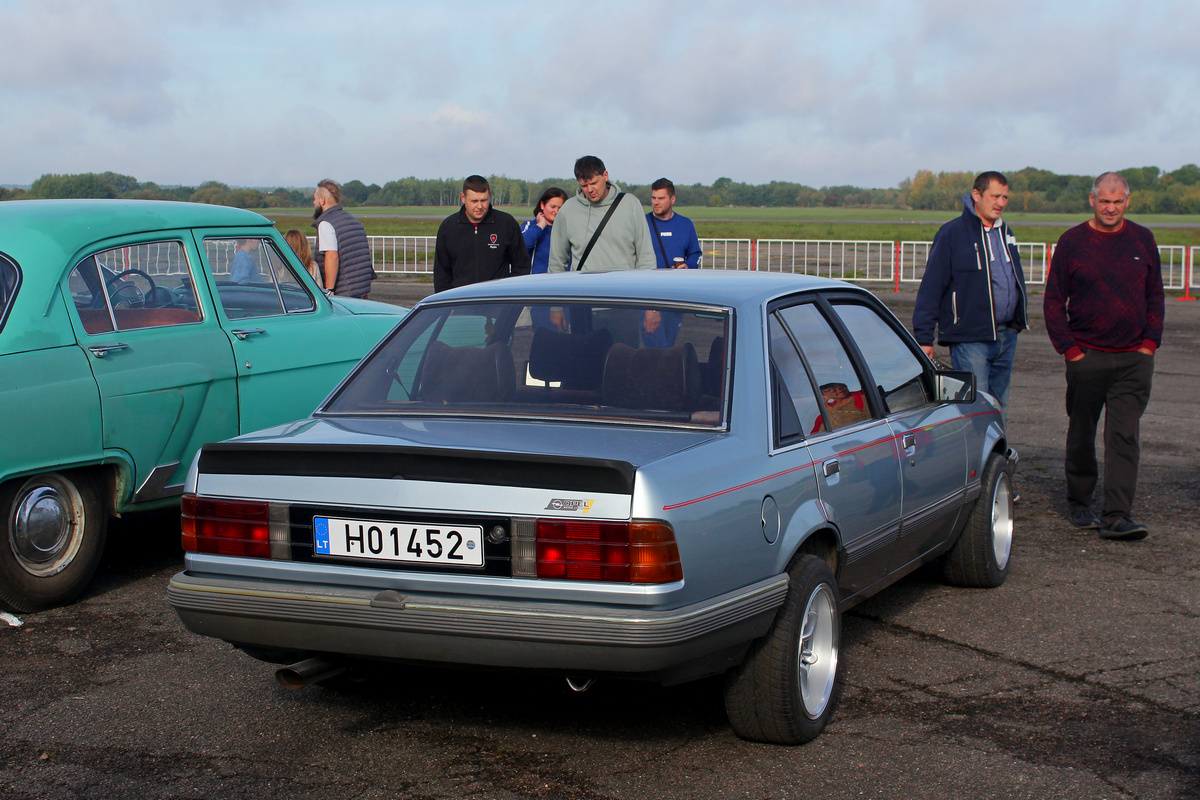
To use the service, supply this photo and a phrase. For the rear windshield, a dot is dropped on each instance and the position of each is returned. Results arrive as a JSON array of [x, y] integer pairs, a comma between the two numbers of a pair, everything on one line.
[[589, 360]]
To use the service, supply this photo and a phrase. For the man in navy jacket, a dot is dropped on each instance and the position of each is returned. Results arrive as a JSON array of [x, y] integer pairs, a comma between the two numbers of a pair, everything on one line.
[[973, 291], [479, 243]]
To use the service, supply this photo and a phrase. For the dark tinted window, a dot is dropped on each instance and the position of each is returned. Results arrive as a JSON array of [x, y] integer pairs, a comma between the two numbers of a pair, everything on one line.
[[897, 370], [792, 389], [842, 399]]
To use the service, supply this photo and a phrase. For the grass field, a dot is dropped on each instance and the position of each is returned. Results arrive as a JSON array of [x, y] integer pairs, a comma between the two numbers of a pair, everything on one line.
[[773, 223]]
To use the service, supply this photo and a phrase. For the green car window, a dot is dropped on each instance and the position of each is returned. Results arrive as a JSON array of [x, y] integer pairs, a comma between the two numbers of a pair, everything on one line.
[[145, 285], [254, 280]]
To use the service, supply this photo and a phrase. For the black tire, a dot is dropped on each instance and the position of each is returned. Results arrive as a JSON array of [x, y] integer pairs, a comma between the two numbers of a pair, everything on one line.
[[785, 690], [51, 539], [981, 556]]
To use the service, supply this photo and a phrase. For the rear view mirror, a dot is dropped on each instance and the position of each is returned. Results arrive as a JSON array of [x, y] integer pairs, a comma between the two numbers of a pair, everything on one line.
[[955, 386]]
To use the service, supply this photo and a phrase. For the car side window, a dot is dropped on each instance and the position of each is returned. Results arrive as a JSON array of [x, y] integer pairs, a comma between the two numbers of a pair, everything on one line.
[[793, 399], [897, 370], [842, 399], [145, 285], [254, 280], [9, 278]]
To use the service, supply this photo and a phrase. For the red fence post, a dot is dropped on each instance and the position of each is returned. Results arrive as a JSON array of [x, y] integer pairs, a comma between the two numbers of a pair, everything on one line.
[[754, 254], [896, 269], [1189, 265]]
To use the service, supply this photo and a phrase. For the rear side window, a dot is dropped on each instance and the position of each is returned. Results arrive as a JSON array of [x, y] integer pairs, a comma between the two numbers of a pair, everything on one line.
[[10, 279], [146, 285], [843, 401]]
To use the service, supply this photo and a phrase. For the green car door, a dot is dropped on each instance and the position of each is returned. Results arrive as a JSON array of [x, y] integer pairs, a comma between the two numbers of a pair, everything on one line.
[[291, 345], [163, 366]]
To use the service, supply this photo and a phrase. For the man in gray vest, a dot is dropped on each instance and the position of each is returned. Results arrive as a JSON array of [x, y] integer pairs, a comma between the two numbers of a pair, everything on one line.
[[343, 253]]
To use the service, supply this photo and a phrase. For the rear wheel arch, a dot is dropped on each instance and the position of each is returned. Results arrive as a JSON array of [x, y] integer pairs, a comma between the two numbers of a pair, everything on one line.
[[822, 543]]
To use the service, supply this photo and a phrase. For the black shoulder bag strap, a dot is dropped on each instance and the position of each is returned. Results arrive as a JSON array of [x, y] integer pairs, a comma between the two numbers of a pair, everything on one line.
[[658, 236], [599, 228]]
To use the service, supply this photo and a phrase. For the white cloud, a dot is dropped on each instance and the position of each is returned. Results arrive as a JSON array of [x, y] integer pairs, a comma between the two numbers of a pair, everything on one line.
[[862, 92]]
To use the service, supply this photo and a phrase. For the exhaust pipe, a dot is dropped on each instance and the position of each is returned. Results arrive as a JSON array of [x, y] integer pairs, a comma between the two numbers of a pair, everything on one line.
[[310, 670], [579, 685]]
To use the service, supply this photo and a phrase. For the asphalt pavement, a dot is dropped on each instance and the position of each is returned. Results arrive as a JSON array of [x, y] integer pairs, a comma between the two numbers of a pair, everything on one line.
[[1078, 678]]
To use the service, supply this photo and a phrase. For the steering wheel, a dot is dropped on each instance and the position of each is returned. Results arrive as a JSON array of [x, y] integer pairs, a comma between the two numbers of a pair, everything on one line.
[[137, 297]]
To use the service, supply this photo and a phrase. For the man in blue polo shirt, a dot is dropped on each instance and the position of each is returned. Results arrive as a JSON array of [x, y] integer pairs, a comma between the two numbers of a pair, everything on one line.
[[674, 235]]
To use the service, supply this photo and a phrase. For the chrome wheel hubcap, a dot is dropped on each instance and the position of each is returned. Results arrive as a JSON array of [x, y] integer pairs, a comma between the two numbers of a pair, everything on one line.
[[818, 652], [1002, 520], [46, 525]]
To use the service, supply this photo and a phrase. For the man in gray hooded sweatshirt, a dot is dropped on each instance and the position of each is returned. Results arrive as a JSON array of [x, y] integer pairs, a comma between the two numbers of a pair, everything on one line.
[[625, 241]]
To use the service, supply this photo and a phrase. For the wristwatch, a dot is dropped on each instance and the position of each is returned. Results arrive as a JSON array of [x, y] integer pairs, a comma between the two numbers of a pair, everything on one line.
[[328, 292]]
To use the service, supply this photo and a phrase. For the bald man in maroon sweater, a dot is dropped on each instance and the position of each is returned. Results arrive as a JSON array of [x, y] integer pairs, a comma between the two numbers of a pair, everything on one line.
[[1104, 312]]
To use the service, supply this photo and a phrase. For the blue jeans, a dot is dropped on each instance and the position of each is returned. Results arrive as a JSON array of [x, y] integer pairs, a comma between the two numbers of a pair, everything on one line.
[[991, 363]]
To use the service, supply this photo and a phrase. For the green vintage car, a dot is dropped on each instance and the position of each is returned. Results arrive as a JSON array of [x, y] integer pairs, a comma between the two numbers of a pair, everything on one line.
[[131, 333]]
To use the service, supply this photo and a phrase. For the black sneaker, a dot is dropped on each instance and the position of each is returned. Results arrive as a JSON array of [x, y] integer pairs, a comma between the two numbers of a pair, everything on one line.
[[1085, 519], [1124, 530]]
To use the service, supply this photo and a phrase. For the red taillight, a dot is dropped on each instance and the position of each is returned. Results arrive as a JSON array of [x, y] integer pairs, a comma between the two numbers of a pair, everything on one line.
[[226, 527], [622, 552]]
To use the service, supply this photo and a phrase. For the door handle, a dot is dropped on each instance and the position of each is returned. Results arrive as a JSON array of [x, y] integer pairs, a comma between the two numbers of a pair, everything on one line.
[[831, 467], [242, 333], [908, 440], [101, 350]]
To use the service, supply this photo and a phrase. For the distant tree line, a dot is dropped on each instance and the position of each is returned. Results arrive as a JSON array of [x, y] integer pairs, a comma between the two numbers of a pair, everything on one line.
[[1154, 191], [111, 185], [1032, 189]]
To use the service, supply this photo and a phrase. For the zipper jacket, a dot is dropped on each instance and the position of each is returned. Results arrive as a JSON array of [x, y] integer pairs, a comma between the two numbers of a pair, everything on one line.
[[466, 253], [956, 297]]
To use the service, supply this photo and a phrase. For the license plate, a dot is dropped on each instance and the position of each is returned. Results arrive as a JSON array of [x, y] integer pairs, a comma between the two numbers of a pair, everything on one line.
[[408, 542]]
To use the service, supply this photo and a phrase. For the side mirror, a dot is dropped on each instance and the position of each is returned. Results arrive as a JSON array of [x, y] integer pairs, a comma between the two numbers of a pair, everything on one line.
[[955, 386]]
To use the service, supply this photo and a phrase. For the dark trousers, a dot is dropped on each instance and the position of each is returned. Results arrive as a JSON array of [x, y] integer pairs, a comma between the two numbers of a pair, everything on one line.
[[1119, 385]]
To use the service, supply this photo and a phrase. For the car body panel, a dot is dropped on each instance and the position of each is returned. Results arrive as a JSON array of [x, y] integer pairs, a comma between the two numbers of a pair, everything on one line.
[[54, 383]]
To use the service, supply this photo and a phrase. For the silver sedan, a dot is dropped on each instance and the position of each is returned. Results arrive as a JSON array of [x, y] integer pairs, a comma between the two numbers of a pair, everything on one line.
[[651, 474]]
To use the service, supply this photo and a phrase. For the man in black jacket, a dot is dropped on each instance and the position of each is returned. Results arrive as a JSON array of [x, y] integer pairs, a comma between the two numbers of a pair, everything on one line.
[[478, 243], [973, 290]]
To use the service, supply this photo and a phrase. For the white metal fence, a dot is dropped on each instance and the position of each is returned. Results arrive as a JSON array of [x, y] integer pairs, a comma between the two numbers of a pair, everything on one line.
[[727, 253], [911, 258], [1174, 265], [843, 259], [849, 260]]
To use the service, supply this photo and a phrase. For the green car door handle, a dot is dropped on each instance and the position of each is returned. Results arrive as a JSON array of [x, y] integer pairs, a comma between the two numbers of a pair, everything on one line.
[[242, 333], [101, 350]]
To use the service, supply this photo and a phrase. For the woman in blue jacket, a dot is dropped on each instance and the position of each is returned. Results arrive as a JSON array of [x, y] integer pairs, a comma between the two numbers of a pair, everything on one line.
[[537, 231]]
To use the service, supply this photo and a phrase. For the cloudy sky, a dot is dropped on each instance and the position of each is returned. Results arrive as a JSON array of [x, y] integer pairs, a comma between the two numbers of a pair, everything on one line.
[[862, 92]]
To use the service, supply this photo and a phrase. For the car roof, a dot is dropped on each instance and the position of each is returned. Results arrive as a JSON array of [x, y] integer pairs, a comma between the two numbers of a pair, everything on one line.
[[707, 287], [57, 229]]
